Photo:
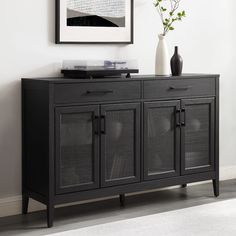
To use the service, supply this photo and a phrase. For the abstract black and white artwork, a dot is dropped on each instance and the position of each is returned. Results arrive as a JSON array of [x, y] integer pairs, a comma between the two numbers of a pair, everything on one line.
[[94, 21], [97, 13]]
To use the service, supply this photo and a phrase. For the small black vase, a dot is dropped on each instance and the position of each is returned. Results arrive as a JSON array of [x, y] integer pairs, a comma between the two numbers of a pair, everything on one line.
[[176, 63]]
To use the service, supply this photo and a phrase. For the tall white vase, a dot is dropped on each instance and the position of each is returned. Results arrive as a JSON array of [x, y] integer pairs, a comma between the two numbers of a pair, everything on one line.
[[162, 57]]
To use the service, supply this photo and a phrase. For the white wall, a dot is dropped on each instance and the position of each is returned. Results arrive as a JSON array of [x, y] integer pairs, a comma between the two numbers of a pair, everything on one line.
[[206, 39]]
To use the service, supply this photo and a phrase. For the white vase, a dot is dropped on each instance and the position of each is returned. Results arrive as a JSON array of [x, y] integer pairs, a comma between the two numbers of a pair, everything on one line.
[[162, 57]]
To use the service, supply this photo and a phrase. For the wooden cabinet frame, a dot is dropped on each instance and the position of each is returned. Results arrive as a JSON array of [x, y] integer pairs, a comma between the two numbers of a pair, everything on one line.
[[176, 127], [192, 102], [136, 126], [94, 110], [44, 99]]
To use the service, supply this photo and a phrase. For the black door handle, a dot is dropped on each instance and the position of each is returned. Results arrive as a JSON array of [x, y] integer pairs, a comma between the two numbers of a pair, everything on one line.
[[183, 111], [103, 124], [177, 118]]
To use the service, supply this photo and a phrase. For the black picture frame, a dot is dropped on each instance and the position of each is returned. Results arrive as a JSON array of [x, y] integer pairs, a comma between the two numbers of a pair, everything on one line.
[[58, 39]]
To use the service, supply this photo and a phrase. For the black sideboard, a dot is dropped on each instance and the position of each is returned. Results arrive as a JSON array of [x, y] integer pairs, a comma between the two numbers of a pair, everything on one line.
[[84, 139]]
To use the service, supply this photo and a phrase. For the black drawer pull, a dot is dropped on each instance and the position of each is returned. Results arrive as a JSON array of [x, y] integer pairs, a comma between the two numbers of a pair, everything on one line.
[[180, 88], [99, 91]]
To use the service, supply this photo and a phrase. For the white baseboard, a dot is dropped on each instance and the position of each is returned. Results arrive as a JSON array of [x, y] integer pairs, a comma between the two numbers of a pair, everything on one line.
[[227, 172], [12, 205]]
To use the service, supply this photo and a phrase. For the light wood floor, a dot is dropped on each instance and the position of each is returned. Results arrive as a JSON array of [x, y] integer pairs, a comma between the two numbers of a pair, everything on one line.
[[79, 216]]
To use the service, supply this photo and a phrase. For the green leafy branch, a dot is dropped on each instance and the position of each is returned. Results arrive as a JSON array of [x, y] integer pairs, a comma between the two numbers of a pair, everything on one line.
[[169, 16]]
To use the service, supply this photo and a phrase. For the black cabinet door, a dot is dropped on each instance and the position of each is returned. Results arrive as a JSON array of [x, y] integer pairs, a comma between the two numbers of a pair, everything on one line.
[[197, 135], [161, 139], [77, 148], [120, 144]]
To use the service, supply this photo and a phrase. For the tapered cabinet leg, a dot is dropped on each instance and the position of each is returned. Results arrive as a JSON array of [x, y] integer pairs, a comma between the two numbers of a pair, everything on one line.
[[216, 186], [122, 200], [25, 204], [50, 215], [184, 185]]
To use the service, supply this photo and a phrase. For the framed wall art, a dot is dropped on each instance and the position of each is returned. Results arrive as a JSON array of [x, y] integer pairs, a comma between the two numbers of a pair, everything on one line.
[[94, 21]]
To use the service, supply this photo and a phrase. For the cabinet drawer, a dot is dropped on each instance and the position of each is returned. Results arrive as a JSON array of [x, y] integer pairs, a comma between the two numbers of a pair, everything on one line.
[[179, 88], [95, 92]]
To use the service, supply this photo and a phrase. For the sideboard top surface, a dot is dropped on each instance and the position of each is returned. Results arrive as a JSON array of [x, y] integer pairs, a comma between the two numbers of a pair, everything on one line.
[[133, 78]]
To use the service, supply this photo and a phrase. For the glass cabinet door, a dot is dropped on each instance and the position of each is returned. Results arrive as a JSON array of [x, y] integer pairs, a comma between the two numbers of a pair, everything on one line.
[[120, 144], [77, 148], [161, 139], [197, 135]]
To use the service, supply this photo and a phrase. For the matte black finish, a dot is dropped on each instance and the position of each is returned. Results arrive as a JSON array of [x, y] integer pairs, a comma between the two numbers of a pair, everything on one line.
[[120, 144], [99, 73], [94, 92], [161, 130], [25, 203], [77, 148], [197, 136], [85, 139], [176, 63], [179, 88], [216, 187], [122, 200], [135, 187]]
